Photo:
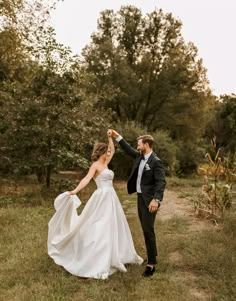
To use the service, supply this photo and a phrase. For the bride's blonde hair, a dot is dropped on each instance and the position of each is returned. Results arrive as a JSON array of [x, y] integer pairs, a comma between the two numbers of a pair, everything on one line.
[[99, 149]]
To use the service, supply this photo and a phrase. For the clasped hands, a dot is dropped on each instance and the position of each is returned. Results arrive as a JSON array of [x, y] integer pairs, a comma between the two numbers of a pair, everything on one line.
[[112, 133]]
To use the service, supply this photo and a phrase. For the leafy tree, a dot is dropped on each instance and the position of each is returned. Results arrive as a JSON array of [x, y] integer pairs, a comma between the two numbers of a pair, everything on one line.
[[223, 125], [49, 115], [147, 73]]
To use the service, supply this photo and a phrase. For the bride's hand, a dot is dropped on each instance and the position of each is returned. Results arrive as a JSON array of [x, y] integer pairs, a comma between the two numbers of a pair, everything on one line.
[[71, 192], [109, 133]]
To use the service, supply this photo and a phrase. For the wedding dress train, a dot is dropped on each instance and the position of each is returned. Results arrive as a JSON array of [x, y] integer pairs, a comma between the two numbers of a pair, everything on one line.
[[97, 242]]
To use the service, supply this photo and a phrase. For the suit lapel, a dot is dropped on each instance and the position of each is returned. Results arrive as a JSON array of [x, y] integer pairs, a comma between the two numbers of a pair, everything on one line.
[[150, 158], [136, 166], [148, 163]]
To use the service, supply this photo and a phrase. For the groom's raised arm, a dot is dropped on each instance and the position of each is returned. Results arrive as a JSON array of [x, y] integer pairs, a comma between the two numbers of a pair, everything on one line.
[[125, 145]]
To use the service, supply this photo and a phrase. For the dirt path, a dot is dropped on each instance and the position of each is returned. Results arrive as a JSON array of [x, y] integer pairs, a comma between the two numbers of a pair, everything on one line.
[[171, 206], [174, 206]]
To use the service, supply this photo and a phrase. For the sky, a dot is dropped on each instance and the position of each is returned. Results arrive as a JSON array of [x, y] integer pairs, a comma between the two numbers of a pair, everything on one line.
[[209, 24]]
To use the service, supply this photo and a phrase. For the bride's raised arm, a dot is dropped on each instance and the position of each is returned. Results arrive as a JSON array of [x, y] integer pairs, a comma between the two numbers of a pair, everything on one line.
[[111, 147]]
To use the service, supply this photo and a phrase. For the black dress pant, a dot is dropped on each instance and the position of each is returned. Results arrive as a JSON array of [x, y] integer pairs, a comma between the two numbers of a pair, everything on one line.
[[147, 220]]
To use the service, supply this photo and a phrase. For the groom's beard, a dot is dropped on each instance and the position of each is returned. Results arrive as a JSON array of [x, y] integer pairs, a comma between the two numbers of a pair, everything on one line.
[[141, 152]]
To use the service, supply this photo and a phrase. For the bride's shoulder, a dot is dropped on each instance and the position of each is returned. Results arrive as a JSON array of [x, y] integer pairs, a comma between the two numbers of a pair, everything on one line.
[[93, 167], [97, 165]]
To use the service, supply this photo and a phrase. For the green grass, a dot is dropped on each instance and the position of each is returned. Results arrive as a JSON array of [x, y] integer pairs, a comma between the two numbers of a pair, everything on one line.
[[193, 265], [185, 187], [193, 181]]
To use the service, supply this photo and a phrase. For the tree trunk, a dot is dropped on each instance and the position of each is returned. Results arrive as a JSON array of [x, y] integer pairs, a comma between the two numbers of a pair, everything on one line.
[[40, 173], [48, 175]]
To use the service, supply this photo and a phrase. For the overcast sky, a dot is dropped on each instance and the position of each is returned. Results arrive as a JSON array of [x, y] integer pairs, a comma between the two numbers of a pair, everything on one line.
[[209, 24]]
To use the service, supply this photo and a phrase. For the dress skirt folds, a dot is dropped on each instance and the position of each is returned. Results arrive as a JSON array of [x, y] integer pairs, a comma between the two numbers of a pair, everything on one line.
[[96, 243]]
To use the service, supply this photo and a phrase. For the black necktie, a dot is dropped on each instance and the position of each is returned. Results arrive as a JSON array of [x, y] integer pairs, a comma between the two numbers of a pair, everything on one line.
[[142, 157]]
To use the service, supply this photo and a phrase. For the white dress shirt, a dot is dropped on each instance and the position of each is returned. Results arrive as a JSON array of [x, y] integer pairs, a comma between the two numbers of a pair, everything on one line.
[[140, 169]]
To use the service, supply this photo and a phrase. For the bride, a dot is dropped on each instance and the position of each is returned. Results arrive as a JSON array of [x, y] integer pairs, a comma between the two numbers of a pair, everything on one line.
[[98, 242]]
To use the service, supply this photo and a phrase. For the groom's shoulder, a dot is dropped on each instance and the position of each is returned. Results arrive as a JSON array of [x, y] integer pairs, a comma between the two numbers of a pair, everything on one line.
[[156, 158]]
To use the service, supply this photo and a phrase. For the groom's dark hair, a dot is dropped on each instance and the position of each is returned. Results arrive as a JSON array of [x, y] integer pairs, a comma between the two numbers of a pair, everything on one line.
[[146, 139]]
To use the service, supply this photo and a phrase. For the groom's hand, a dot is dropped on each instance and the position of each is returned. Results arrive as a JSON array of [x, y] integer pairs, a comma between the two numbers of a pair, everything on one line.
[[114, 134], [153, 206]]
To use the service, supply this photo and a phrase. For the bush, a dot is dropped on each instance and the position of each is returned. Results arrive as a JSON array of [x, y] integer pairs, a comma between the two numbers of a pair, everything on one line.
[[166, 150], [188, 157]]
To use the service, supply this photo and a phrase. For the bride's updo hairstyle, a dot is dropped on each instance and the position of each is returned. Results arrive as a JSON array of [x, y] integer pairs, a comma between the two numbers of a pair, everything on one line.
[[99, 149]]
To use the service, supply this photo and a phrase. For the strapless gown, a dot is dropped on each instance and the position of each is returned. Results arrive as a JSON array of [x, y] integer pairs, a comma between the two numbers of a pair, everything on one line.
[[96, 243]]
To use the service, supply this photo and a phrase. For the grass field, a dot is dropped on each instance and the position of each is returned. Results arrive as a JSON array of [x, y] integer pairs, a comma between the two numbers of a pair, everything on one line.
[[194, 263]]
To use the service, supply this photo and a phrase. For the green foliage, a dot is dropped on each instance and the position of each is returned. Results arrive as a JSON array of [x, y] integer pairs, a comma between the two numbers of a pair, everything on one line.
[[166, 150], [147, 74], [223, 126], [138, 72], [47, 115], [187, 158], [28, 19]]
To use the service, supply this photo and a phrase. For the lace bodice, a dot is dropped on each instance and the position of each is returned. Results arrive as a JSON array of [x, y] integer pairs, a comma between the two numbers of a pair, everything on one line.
[[105, 179]]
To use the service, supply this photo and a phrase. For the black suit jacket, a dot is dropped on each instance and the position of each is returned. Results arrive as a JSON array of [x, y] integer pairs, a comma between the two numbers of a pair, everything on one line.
[[153, 177]]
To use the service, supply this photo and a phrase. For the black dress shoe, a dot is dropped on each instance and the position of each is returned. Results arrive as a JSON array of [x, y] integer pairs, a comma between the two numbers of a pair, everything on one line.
[[149, 271]]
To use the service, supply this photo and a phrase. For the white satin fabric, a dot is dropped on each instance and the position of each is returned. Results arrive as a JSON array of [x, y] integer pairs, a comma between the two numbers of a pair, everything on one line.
[[97, 242]]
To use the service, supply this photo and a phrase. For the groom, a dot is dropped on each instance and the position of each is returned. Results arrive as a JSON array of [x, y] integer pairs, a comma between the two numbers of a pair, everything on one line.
[[147, 178]]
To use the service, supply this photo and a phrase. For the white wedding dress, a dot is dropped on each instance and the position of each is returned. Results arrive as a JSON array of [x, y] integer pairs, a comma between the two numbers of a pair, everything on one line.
[[97, 242]]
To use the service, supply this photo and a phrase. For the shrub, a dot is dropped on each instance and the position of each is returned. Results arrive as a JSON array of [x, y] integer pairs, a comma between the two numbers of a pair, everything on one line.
[[187, 158]]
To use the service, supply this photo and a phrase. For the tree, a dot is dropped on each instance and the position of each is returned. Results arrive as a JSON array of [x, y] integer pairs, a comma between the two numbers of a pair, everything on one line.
[[147, 73], [223, 125], [48, 116]]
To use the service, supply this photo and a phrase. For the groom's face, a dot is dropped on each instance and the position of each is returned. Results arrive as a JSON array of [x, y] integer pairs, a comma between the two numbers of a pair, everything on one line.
[[141, 147]]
